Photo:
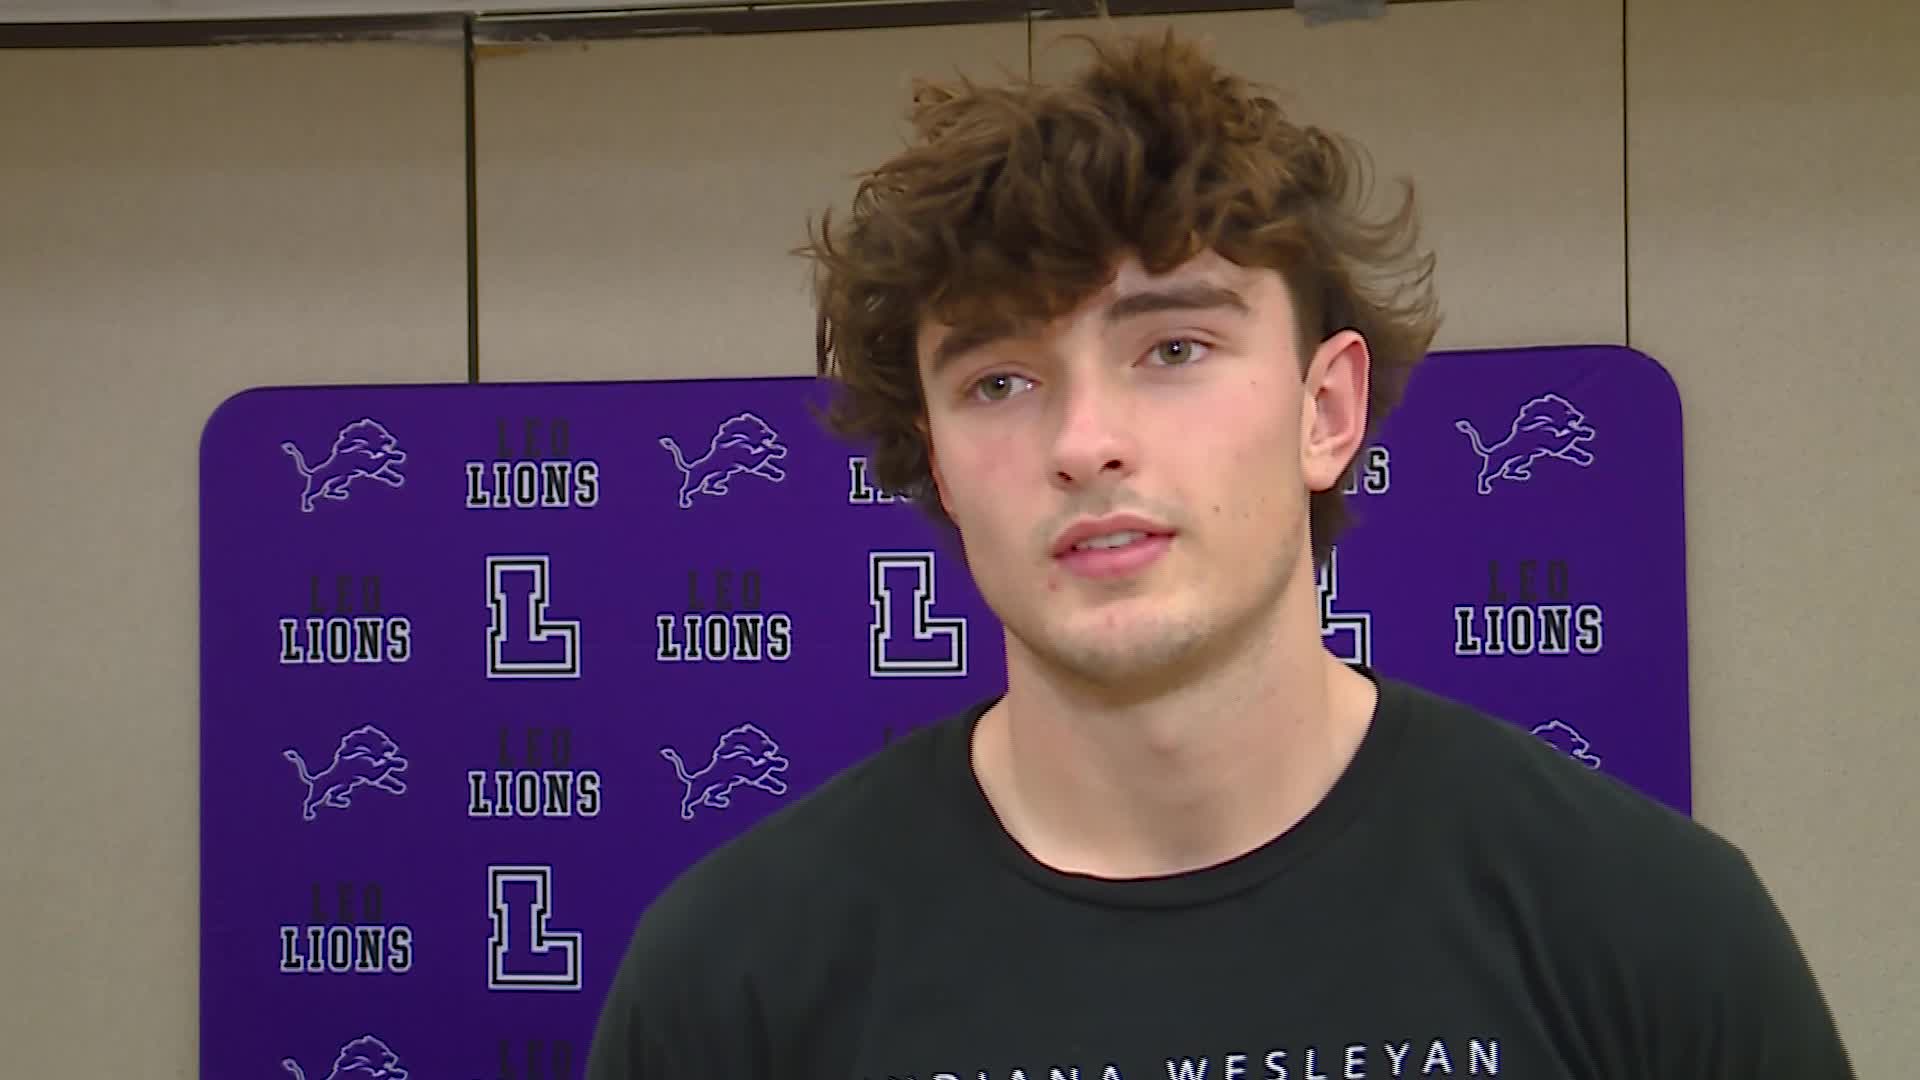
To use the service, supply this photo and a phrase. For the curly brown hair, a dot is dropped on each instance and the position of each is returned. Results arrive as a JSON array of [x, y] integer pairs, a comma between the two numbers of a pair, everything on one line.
[[1016, 202]]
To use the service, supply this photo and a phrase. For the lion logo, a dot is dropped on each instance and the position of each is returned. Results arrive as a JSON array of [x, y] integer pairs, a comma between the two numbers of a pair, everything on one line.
[[744, 755], [1562, 737], [1548, 426], [366, 757], [744, 444], [364, 1058], [361, 449]]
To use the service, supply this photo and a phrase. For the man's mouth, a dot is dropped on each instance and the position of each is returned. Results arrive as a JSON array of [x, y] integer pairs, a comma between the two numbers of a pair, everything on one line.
[[1108, 541], [1112, 550]]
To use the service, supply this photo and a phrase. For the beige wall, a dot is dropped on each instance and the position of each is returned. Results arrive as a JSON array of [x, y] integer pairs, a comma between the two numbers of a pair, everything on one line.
[[632, 179], [178, 225], [174, 226], [1773, 167]]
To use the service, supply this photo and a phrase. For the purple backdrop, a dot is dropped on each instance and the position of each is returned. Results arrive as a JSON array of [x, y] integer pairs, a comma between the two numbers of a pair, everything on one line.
[[485, 666]]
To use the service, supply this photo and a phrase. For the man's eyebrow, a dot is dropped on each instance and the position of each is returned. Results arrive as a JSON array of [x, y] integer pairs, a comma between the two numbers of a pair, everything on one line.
[[1191, 296], [964, 339]]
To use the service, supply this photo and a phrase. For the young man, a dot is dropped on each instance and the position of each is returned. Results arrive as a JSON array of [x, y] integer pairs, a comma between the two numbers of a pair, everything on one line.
[[1126, 336]]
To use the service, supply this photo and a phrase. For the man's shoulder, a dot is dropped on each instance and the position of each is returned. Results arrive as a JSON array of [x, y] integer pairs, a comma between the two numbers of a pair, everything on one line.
[[1543, 776], [1655, 928], [815, 855], [1549, 824], [1540, 794], [864, 807], [765, 930]]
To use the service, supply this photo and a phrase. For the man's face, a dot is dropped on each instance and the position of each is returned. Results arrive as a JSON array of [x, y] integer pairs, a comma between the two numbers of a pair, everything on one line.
[[1170, 416]]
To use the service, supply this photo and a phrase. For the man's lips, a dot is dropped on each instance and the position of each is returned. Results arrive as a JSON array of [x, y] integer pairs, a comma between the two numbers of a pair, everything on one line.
[[1125, 559], [1092, 528]]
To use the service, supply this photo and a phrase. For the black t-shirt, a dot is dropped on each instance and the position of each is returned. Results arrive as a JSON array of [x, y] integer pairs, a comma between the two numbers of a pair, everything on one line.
[[1466, 901]]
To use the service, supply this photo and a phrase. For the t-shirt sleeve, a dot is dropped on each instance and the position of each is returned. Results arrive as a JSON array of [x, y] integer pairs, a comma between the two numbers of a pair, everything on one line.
[[1758, 1009]]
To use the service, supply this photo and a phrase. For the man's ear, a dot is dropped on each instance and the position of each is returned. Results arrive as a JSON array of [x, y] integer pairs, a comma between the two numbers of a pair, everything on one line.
[[1333, 408]]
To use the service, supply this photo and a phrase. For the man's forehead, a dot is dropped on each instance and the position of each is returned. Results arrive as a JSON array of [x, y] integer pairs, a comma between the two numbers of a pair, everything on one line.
[[1207, 275], [1208, 267]]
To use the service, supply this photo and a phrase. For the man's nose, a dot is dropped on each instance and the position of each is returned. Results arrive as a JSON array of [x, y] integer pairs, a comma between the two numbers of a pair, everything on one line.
[[1095, 438]]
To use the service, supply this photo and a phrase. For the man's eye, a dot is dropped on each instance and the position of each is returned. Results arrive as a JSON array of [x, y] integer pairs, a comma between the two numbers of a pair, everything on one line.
[[1177, 351], [996, 387]]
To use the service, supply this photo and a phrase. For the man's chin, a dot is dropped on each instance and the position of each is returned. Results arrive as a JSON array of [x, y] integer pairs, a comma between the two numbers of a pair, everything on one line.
[[1114, 651]]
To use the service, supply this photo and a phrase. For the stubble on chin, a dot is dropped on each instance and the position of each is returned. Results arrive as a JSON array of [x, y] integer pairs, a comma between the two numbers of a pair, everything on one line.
[[1137, 651], [1148, 643]]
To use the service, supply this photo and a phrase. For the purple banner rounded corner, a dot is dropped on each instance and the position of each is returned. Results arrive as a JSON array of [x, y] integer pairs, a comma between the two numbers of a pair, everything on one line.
[[1556, 474]]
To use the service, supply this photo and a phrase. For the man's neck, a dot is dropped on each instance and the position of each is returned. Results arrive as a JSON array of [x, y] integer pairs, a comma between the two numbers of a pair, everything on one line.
[[1192, 778]]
